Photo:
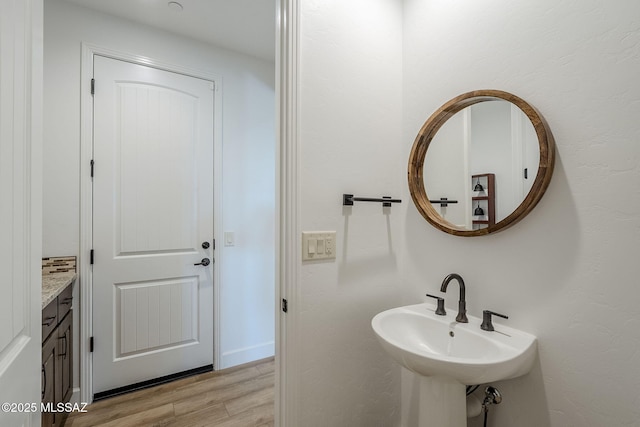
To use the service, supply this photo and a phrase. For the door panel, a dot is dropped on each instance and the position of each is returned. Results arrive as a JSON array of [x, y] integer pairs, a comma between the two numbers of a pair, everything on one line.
[[153, 207], [20, 208], [157, 133], [156, 315]]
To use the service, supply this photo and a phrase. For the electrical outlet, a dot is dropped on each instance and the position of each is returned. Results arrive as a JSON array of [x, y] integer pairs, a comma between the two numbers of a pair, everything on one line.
[[318, 245]]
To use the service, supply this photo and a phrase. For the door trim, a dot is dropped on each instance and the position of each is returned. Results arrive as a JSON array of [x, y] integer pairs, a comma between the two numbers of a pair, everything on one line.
[[288, 250], [86, 197]]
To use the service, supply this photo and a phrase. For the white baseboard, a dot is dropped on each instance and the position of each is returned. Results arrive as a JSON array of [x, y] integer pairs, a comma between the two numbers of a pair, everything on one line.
[[75, 397], [247, 354]]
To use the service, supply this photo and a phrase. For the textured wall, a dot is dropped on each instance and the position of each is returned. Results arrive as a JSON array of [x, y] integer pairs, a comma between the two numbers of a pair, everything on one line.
[[569, 271], [351, 53]]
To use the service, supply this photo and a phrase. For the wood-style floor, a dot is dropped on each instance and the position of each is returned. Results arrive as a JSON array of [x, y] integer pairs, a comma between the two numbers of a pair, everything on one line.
[[235, 397]]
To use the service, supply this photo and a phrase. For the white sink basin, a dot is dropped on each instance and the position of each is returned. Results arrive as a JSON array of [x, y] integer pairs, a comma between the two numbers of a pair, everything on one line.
[[432, 345]]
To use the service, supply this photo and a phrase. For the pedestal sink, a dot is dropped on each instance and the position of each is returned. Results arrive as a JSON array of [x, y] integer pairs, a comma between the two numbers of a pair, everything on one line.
[[449, 355]]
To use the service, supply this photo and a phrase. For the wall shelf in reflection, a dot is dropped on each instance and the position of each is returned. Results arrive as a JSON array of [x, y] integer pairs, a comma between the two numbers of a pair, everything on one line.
[[483, 200]]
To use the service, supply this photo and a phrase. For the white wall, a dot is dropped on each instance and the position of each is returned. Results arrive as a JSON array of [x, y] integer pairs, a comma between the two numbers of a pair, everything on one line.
[[350, 127], [247, 284], [567, 273]]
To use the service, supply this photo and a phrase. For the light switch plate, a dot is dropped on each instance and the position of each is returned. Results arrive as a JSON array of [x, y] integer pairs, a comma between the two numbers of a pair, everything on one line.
[[229, 238], [318, 245]]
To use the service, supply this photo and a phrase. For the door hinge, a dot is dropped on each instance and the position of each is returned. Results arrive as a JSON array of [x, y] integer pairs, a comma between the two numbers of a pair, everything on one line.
[[285, 305], [93, 86], [92, 163], [91, 257], [91, 345], [213, 244], [526, 173]]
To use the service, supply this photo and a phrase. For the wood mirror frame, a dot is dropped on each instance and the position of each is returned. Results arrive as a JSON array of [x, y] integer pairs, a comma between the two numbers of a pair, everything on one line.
[[428, 132]]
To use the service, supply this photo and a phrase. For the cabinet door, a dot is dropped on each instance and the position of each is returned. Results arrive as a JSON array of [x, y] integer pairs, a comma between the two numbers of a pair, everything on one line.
[[49, 319], [49, 353], [64, 371]]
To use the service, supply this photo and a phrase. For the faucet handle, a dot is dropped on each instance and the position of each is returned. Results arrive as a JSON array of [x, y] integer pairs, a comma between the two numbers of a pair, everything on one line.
[[440, 310], [487, 325]]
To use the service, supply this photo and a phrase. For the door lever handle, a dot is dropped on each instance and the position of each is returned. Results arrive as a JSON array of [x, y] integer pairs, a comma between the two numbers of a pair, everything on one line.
[[205, 262]]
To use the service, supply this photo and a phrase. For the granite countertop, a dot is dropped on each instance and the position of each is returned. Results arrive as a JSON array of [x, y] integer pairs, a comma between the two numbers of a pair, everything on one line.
[[53, 284]]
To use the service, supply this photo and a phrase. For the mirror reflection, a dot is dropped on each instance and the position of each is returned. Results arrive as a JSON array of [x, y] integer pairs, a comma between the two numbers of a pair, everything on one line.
[[485, 158]]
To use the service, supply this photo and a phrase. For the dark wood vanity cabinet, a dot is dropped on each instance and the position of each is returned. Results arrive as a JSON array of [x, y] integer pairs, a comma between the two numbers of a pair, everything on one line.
[[64, 373], [57, 356], [49, 353]]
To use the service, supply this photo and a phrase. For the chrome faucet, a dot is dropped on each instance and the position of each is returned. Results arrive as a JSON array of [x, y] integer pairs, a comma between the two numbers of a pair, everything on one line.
[[462, 304]]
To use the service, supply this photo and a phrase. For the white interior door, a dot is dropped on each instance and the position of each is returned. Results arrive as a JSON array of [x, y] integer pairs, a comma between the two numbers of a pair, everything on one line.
[[20, 212], [152, 212]]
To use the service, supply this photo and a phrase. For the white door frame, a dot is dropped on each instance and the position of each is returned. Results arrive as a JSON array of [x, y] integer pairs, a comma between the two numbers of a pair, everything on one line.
[[288, 246], [86, 196]]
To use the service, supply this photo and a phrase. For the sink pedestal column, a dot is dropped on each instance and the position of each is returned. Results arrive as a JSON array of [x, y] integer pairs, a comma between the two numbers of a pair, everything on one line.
[[442, 402]]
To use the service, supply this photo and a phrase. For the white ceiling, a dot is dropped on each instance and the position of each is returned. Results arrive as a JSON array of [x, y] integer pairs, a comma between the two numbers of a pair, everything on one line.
[[246, 26]]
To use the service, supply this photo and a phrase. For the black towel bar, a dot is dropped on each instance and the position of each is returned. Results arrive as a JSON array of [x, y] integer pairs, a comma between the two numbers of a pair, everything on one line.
[[443, 201], [348, 199]]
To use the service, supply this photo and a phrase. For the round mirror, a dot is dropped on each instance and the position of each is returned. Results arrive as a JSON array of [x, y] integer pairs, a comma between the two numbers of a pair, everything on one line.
[[480, 163]]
